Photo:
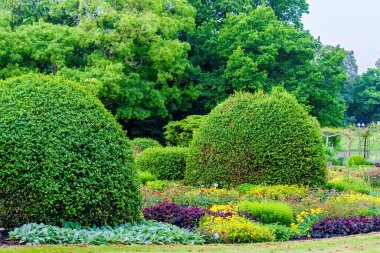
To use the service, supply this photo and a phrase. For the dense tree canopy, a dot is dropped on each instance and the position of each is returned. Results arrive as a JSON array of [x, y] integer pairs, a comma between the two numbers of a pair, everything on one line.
[[366, 104], [150, 61], [286, 10], [257, 51], [325, 96], [128, 50]]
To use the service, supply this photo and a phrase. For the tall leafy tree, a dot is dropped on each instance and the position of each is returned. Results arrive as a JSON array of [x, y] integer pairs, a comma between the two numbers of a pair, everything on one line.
[[347, 91], [210, 19], [328, 105], [366, 105], [257, 51], [261, 52], [352, 74]]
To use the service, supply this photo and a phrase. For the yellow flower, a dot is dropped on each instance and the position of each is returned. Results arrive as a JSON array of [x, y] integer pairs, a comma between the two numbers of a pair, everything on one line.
[[222, 208], [316, 211], [293, 225]]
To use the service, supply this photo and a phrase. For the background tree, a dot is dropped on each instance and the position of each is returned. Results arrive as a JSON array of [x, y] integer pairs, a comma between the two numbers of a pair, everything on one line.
[[325, 95], [347, 91], [257, 51], [366, 106], [153, 61], [289, 11], [377, 64], [127, 52]]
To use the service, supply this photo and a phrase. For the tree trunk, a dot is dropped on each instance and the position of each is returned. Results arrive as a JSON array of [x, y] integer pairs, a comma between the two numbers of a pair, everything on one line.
[[348, 153]]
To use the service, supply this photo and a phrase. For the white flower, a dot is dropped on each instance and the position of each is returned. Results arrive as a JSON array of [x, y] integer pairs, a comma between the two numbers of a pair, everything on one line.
[[216, 236], [216, 185]]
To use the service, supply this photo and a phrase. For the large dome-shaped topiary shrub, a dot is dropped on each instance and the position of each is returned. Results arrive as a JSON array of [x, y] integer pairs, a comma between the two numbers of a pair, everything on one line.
[[259, 139], [63, 156]]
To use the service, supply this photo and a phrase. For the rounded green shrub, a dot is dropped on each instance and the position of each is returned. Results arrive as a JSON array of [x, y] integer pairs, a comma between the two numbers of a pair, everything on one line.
[[269, 212], [356, 160], [165, 163], [140, 144], [258, 139], [180, 133], [63, 156]]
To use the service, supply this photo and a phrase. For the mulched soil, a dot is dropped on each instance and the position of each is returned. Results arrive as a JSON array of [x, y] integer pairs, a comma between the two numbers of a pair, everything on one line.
[[3, 239]]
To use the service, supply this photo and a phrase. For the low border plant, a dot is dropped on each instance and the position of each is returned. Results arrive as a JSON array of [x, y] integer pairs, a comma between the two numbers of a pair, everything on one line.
[[147, 232]]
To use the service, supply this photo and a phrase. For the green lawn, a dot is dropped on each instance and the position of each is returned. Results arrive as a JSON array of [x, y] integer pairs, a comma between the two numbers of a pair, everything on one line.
[[361, 243]]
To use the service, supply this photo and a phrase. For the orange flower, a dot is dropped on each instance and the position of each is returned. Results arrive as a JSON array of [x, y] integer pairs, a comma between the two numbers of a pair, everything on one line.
[[159, 194], [223, 232], [201, 191]]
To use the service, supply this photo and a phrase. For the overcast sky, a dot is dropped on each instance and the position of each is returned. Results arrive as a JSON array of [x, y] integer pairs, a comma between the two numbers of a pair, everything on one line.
[[353, 24]]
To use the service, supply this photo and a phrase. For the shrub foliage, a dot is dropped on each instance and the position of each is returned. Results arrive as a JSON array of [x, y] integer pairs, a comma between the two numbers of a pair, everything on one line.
[[260, 139], [345, 226], [165, 163], [180, 133], [181, 216], [269, 212], [62, 156], [140, 144], [356, 160]]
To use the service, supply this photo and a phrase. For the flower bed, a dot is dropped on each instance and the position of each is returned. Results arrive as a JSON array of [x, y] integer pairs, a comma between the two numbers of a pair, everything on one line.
[[181, 214]]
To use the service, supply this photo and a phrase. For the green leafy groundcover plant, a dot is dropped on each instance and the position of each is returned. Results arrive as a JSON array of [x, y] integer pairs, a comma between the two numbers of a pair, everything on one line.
[[146, 232], [260, 139], [63, 156], [165, 163]]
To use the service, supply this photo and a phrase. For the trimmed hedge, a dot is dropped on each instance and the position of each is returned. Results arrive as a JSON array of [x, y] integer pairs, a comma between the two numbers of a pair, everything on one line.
[[165, 163], [63, 156], [180, 133], [259, 139], [268, 212], [140, 144]]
